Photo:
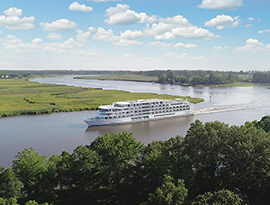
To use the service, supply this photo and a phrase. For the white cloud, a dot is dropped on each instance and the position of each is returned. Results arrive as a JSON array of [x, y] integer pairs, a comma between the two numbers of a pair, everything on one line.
[[177, 27], [160, 44], [108, 35], [264, 31], [188, 45], [104, 35], [54, 36], [126, 42], [177, 45], [97, 1], [37, 41], [192, 32], [220, 48], [222, 21], [120, 8], [0, 32], [251, 19], [59, 25], [221, 4], [83, 36], [129, 55], [11, 20], [122, 15], [75, 6], [13, 43], [128, 34], [92, 29], [13, 12], [253, 46]]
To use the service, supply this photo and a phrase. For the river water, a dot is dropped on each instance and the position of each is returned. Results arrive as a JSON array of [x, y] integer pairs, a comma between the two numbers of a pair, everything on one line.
[[54, 133]]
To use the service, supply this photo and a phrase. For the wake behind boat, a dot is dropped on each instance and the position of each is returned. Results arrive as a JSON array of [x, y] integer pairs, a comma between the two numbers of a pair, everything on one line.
[[140, 110]]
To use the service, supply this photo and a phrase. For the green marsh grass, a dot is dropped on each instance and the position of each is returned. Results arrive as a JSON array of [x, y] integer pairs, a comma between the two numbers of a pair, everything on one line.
[[18, 97]]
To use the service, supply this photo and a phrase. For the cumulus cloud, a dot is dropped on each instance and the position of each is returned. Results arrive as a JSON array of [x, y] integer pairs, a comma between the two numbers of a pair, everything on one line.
[[251, 19], [13, 12], [128, 34], [192, 32], [0, 32], [54, 36], [160, 44], [83, 36], [188, 45], [222, 21], [108, 35], [13, 43], [120, 8], [221, 4], [264, 31], [12, 21], [59, 25], [253, 46], [122, 15], [177, 27], [75, 6], [220, 48], [177, 45]]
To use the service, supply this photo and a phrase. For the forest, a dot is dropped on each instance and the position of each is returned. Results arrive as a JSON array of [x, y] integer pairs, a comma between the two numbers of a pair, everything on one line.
[[213, 164]]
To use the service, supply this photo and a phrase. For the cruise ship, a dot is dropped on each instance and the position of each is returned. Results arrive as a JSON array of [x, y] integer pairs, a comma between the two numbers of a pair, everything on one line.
[[140, 110]]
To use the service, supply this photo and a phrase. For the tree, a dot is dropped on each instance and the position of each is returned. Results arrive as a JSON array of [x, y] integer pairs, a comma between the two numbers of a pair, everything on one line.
[[222, 197], [11, 201], [117, 155], [264, 123], [162, 78], [30, 166], [10, 186], [169, 193]]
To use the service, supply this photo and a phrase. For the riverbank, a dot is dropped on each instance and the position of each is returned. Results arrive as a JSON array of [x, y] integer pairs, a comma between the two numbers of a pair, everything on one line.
[[142, 78], [136, 78], [19, 97]]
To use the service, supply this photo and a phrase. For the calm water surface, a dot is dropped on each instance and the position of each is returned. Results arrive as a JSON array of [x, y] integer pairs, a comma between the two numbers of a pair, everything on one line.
[[54, 133]]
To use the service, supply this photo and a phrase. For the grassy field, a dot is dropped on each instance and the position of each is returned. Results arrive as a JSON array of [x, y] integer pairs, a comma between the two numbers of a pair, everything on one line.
[[18, 97], [138, 78]]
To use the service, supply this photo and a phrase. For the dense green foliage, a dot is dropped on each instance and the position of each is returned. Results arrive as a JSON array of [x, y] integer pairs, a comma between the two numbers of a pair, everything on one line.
[[218, 198], [198, 77], [18, 97], [214, 164]]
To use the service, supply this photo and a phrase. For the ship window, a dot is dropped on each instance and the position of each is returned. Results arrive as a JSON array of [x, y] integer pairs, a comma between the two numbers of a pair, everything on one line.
[[106, 118], [110, 117]]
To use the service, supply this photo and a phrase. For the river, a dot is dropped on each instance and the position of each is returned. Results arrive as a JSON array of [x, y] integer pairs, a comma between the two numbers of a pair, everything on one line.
[[54, 133]]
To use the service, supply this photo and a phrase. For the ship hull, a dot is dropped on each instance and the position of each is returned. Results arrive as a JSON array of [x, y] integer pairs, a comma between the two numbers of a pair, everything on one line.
[[98, 122]]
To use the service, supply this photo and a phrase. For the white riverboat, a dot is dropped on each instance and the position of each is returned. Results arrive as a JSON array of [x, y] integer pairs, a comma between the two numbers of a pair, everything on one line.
[[140, 110]]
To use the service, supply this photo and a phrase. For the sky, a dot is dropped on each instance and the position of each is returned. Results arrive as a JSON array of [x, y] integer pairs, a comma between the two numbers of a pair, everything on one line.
[[228, 35]]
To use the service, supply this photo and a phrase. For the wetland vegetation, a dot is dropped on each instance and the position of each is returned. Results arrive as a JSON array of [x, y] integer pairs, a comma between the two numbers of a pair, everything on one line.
[[20, 97]]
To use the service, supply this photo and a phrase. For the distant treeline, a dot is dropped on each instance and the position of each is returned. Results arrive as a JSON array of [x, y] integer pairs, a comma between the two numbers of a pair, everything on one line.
[[214, 164], [181, 77]]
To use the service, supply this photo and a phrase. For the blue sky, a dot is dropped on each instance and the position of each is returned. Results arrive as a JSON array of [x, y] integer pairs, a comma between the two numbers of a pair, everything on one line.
[[135, 35]]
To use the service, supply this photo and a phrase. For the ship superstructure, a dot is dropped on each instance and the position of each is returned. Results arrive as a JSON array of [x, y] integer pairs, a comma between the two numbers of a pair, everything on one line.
[[140, 110]]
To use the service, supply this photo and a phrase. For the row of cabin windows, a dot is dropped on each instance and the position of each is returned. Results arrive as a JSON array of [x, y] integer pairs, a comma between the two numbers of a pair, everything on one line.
[[147, 110], [156, 112]]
